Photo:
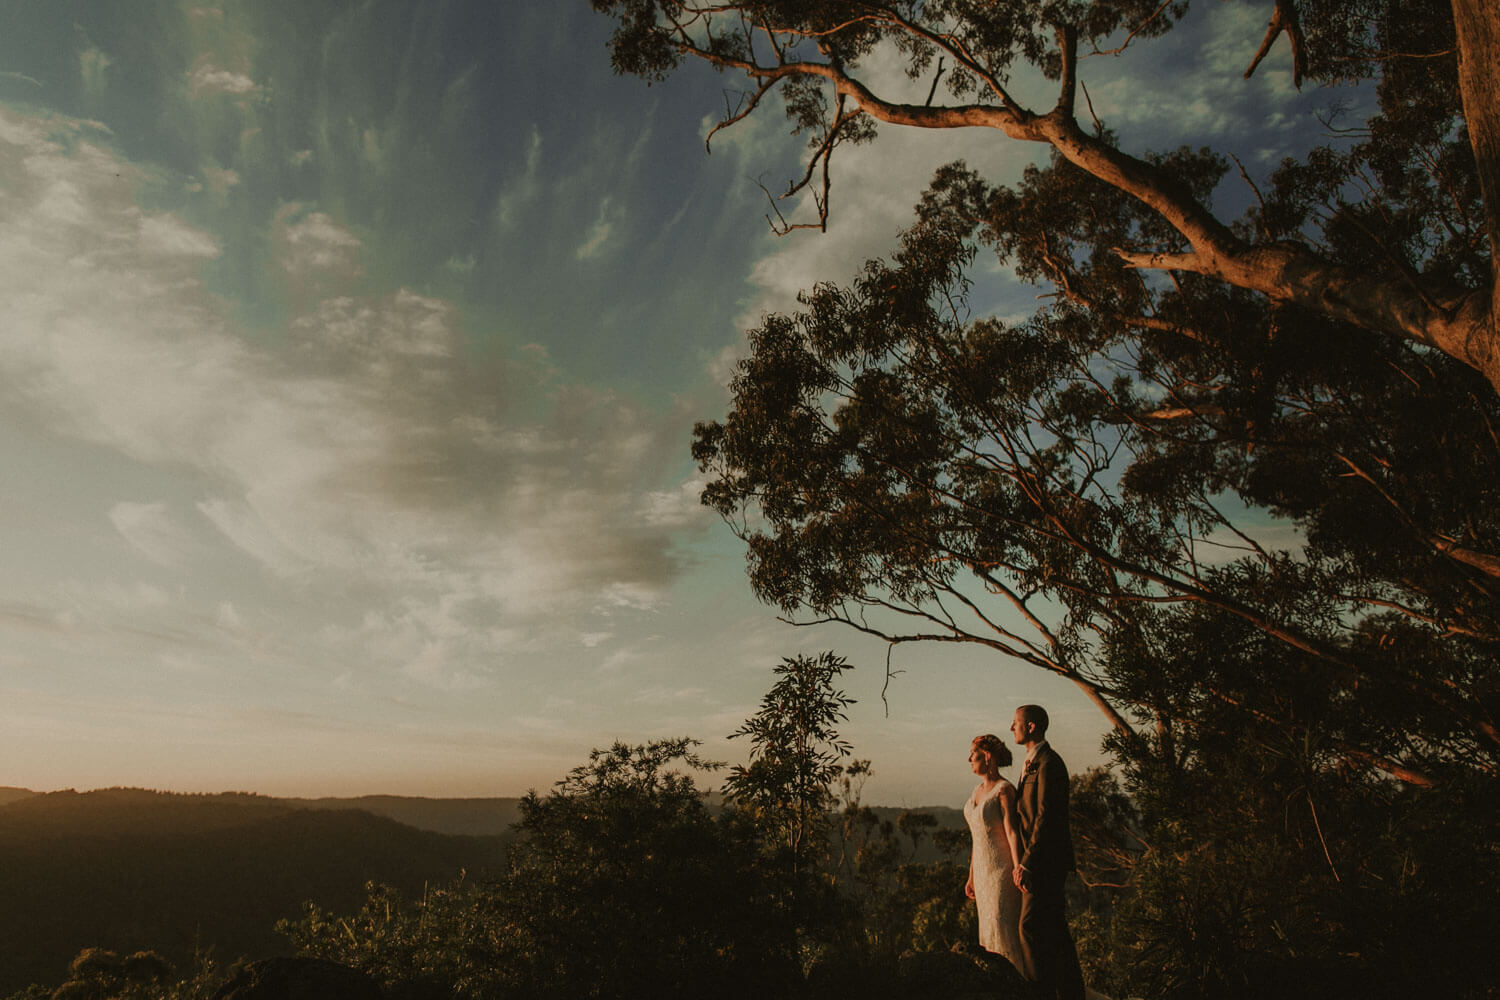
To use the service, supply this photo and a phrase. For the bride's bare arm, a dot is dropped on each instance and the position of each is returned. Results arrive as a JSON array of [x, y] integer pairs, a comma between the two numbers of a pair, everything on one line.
[[1012, 824]]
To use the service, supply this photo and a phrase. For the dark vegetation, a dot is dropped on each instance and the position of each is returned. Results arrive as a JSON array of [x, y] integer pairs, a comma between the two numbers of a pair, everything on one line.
[[132, 870]]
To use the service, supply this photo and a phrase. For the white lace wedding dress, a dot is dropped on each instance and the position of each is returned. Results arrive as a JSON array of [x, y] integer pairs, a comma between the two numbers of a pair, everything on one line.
[[995, 894]]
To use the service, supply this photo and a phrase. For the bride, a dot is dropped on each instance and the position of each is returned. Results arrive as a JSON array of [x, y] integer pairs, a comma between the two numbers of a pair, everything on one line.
[[996, 831]]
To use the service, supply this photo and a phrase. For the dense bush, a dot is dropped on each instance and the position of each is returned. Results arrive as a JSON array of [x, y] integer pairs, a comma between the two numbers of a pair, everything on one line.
[[1252, 866]]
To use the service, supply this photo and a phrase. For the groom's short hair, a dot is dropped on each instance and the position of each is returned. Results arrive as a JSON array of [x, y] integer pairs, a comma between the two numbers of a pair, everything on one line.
[[1036, 715]]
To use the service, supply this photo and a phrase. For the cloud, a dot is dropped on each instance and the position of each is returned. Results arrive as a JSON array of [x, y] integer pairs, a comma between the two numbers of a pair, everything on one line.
[[219, 180], [209, 79], [598, 233], [1189, 86], [522, 191], [20, 78], [243, 527], [469, 506], [875, 189], [312, 243], [93, 64], [151, 529], [383, 334], [169, 237]]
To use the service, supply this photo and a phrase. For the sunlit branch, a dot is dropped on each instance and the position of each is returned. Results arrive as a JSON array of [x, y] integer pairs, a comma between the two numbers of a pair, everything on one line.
[[1283, 20], [1461, 325], [1095, 692], [732, 118], [1408, 611], [1483, 561]]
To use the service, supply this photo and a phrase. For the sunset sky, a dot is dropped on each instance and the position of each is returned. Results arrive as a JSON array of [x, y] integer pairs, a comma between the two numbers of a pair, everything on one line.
[[349, 354]]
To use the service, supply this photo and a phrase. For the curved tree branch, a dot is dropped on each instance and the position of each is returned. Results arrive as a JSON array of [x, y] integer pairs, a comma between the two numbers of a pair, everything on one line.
[[1283, 20]]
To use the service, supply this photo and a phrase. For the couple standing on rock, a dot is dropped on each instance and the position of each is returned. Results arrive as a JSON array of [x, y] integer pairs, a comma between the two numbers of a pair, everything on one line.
[[1023, 852]]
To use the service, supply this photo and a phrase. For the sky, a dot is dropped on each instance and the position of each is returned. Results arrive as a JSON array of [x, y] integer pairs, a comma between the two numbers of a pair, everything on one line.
[[349, 356]]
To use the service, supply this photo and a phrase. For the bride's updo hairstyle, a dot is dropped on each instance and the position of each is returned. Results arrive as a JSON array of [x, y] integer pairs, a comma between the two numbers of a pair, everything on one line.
[[995, 747]]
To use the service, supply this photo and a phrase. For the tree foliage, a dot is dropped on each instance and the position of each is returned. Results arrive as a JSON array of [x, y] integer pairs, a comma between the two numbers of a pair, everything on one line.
[[1081, 498], [1254, 869], [796, 754], [621, 882], [103, 974], [1424, 275], [620, 879]]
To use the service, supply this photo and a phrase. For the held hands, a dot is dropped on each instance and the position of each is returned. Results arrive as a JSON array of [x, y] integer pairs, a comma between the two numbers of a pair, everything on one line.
[[1018, 875]]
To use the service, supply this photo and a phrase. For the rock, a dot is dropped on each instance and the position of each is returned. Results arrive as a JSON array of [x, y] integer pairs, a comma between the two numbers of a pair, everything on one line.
[[962, 973], [298, 979]]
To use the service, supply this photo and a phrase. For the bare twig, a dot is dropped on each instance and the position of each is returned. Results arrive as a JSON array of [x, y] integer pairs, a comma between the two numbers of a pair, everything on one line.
[[936, 77]]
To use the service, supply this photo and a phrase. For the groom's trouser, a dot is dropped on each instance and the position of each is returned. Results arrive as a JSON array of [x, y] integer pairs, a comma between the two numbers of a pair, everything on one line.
[[1046, 944]]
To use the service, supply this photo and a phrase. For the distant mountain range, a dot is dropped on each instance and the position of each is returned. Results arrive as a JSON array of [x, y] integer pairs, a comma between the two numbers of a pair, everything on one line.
[[129, 869], [466, 817]]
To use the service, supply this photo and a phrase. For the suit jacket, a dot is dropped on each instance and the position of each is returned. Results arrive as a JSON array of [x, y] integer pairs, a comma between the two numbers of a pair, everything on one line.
[[1042, 802]]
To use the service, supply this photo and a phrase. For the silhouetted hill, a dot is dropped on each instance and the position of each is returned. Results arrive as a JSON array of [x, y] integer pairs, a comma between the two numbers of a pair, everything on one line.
[[8, 794], [128, 869], [472, 817]]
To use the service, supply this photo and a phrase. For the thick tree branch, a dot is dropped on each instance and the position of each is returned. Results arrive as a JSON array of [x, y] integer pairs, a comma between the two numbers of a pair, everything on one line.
[[1067, 46], [1283, 20], [1459, 326], [1482, 561]]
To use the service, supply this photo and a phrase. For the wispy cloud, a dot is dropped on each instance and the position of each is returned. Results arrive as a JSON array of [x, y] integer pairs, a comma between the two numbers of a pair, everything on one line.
[[209, 79], [369, 455], [598, 233], [93, 64], [313, 243], [153, 530]]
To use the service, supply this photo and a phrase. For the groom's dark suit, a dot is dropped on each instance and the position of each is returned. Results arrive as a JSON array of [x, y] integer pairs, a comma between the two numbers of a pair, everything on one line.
[[1047, 858]]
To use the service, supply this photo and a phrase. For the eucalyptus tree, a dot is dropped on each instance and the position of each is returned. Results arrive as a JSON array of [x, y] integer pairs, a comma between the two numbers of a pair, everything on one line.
[[1097, 490]]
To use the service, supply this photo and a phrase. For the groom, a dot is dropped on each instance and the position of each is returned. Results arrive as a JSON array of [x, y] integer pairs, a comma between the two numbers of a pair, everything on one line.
[[1046, 860]]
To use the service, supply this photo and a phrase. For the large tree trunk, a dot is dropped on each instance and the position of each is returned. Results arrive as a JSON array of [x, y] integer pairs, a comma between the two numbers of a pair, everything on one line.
[[1478, 27]]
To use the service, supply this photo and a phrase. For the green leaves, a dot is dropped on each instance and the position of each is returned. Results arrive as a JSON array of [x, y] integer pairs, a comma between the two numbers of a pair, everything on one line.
[[796, 752]]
